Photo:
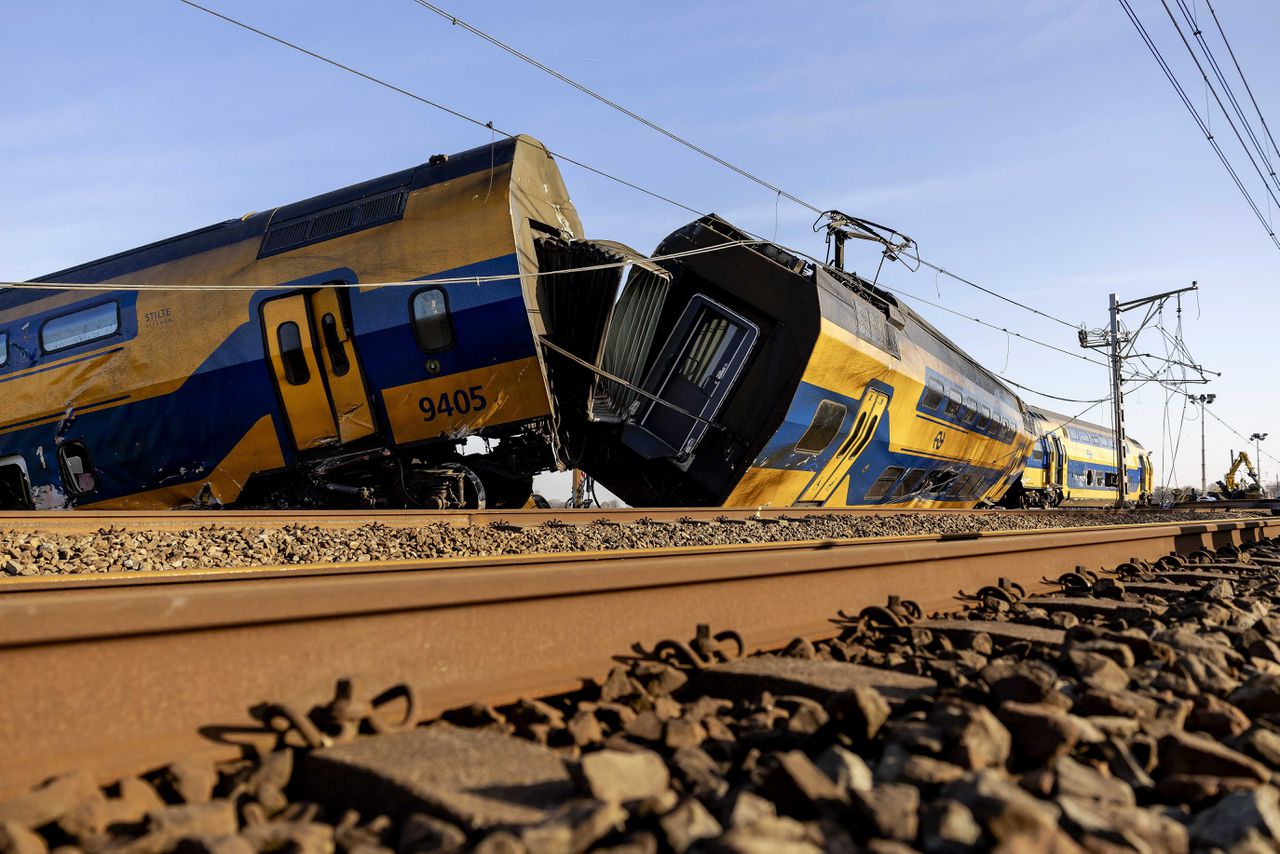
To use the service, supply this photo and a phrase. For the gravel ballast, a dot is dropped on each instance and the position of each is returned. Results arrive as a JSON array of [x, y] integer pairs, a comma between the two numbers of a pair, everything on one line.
[[119, 549]]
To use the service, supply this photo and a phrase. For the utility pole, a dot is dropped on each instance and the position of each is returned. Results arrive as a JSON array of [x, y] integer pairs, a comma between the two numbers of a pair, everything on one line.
[[1203, 400], [1113, 340], [1257, 454]]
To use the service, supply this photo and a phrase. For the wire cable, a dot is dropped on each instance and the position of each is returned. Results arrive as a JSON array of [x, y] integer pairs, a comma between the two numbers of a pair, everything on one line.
[[1243, 79], [498, 43], [977, 320], [773, 188], [1195, 114], [1218, 99], [413, 283], [437, 105], [1198, 33]]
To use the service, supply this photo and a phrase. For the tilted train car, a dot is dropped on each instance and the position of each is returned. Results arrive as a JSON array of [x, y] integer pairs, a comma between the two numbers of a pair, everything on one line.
[[749, 377], [278, 377], [1073, 462]]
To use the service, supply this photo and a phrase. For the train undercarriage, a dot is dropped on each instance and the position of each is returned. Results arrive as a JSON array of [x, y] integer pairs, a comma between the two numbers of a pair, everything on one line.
[[426, 479]]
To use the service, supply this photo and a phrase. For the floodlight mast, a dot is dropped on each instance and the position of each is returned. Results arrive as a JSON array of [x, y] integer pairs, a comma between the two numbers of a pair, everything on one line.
[[1112, 340]]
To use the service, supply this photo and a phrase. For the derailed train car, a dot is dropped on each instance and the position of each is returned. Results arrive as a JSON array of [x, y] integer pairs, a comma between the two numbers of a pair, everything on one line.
[[279, 374], [746, 376]]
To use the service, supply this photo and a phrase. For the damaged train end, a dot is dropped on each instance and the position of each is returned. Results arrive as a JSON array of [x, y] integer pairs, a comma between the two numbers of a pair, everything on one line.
[[338, 351], [731, 372]]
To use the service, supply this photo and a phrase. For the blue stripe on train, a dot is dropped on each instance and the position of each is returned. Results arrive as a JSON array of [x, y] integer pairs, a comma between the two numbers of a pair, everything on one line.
[[780, 452]]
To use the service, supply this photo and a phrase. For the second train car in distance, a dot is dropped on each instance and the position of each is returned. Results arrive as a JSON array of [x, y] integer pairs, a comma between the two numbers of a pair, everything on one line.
[[750, 377], [1073, 463], [280, 374]]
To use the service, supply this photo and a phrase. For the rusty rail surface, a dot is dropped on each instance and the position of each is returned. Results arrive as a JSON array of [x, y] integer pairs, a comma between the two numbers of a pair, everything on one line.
[[120, 673]]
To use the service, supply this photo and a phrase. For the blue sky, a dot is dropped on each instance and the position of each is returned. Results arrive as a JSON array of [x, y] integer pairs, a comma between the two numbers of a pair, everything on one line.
[[1031, 146]]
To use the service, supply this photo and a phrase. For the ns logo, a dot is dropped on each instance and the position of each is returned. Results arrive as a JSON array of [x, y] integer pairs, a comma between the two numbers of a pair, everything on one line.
[[938, 440]]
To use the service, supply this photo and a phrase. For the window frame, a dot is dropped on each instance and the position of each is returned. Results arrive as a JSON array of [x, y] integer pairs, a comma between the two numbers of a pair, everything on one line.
[[871, 495], [115, 329], [800, 448], [448, 317], [335, 348], [285, 358], [4, 348], [983, 422], [68, 479], [953, 406], [902, 489], [935, 387]]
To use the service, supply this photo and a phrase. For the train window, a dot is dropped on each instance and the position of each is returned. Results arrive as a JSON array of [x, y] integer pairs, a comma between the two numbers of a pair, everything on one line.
[[977, 487], [882, 484], [953, 406], [1037, 455], [939, 479], [984, 418], [4, 349], [1088, 477], [703, 356], [77, 469], [826, 423], [333, 344], [292, 355], [432, 324], [966, 411], [934, 392], [908, 484], [15, 488], [80, 327]]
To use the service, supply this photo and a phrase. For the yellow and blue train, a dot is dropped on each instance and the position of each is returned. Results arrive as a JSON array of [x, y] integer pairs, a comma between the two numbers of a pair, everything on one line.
[[787, 383], [1073, 462], [781, 382], [269, 366], [349, 349]]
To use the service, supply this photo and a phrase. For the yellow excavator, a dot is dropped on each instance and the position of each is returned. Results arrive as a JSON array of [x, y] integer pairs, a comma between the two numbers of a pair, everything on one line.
[[1233, 487]]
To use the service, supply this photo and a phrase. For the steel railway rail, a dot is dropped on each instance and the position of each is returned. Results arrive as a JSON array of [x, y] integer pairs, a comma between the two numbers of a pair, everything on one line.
[[120, 673]]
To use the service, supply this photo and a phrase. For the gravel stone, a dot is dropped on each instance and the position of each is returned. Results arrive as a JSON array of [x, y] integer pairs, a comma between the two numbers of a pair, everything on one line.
[[688, 824], [1235, 816], [1184, 753], [889, 810], [948, 827]]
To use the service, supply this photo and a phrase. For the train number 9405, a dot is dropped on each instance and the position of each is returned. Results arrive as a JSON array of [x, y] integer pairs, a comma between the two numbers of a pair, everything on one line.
[[458, 402]]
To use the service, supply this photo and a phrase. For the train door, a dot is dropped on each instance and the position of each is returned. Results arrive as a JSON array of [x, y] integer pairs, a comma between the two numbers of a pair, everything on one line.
[[314, 364], [865, 422], [695, 373], [1058, 462]]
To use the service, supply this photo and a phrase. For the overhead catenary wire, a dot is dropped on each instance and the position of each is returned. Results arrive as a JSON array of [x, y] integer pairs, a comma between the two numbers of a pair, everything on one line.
[[411, 283], [1243, 79], [1218, 99], [498, 43], [436, 104], [1198, 33], [779, 192], [1195, 114], [978, 320]]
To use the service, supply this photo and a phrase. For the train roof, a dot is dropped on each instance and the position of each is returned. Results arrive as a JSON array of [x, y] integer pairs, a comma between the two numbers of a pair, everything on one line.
[[231, 231], [1058, 419]]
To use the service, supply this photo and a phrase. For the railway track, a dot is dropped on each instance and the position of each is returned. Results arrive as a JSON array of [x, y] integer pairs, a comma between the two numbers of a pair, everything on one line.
[[140, 520], [120, 673]]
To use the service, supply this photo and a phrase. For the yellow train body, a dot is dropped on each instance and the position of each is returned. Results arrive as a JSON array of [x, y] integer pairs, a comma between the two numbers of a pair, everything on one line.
[[270, 347]]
